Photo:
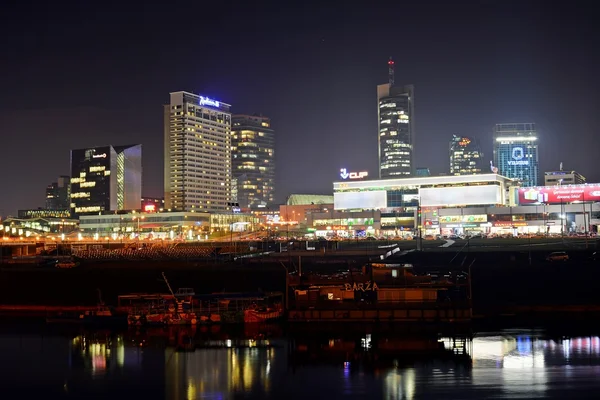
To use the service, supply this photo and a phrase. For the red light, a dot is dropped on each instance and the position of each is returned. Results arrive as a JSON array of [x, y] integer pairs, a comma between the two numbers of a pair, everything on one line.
[[390, 62]]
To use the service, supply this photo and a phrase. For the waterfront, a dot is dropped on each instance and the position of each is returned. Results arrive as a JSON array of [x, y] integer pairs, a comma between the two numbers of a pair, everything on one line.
[[205, 364]]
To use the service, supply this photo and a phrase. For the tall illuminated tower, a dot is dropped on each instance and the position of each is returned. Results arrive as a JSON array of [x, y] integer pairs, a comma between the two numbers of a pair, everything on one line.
[[253, 160], [197, 153], [396, 128]]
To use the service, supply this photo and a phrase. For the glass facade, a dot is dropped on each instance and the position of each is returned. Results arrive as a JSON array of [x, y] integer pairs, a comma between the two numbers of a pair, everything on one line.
[[253, 160], [516, 152], [197, 150], [465, 156], [106, 179], [396, 131], [403, 198]]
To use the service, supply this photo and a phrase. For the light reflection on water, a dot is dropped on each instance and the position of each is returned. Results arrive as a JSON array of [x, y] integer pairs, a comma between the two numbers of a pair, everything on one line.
[[110, 365]]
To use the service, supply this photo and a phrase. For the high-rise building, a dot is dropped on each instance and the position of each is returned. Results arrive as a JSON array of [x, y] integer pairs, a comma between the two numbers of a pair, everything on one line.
[[197, 145], [58, 194], [465, 156], [516, 152], [107, 178], [395, 113], [253, 160], [558, 178]]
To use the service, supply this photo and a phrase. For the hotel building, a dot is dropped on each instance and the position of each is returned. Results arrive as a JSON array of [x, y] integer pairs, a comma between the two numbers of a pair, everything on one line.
[[197, 154]]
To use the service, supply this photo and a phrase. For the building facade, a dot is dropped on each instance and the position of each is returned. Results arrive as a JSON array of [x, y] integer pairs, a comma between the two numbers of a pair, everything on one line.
[[434, 191], [409, 203], [557, 178], [197, 154], [253, 160], [107, 178], [516, 152], [396, 130], [58, 194], [465, 156]]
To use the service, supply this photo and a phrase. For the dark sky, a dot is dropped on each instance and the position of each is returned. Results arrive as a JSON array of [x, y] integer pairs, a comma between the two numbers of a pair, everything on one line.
[[79, 74]]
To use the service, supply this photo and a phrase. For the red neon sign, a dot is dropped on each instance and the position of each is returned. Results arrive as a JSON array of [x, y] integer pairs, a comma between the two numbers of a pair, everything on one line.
[[559, 194]]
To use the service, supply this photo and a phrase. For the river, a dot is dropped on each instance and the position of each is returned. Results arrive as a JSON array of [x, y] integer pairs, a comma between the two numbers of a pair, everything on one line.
[[72, 363]]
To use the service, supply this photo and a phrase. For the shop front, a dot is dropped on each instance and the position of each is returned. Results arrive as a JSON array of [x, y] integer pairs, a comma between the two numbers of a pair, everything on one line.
[[344, 231], [536, 227], [431, 227], [461, 229], [463, 224]]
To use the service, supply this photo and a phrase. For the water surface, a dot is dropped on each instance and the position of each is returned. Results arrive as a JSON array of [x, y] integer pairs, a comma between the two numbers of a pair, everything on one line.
[[186, 364]]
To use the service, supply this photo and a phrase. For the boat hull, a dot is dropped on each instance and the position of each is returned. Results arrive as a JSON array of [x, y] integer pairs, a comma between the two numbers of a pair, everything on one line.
[[199, 318]]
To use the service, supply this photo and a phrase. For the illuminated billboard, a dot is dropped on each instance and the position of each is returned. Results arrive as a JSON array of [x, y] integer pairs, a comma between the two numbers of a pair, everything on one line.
[[460, 195], [559, 194], [371, 200]]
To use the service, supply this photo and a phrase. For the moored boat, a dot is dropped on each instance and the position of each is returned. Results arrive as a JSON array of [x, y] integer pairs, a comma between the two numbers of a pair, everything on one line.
[[184, 307]]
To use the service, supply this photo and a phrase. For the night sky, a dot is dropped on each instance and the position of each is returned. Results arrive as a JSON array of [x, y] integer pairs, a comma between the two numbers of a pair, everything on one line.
[[76, 75]]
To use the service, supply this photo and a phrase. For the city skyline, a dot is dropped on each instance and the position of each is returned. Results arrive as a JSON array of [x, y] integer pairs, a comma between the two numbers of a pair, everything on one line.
[[326, 112]]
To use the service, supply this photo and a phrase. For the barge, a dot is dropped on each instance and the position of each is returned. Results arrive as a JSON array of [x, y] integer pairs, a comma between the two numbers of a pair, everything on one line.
[[382, 293]]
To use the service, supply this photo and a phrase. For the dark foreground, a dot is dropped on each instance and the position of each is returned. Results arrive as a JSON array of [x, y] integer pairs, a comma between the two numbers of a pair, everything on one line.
[[503, 283], [277, 363]]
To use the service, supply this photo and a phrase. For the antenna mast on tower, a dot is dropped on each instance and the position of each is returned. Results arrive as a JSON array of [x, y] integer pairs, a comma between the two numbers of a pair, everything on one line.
[[391, 71]]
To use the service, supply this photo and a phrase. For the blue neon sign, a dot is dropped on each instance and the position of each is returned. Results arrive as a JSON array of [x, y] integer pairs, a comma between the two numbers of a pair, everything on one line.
[[205, 101]]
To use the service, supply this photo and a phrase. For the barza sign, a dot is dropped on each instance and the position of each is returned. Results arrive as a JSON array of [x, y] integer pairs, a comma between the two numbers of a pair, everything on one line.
[[518, 154], [361, 287], [103, 155], [344, 174], [205, 101]]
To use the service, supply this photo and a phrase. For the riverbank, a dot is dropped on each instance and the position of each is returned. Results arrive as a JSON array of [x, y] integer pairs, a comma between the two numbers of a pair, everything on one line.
[[503, 283]]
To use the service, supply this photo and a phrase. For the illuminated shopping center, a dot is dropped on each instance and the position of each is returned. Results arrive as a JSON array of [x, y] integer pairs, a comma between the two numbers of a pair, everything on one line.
[[485, 203]]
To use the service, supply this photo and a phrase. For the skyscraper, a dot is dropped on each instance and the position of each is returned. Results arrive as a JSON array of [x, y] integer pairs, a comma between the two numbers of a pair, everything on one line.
[[516, 152], [107, 178], [465, 156], [58, 194], [253, 160], [197, 152], [395, 112]]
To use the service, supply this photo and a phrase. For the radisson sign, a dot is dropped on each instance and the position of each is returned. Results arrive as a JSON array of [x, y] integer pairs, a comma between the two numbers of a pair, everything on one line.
[[205, 101]]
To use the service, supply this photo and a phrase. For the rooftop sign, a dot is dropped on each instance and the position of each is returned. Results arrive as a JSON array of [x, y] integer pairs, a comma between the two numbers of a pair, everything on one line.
[[205, 101], [344, 174]]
